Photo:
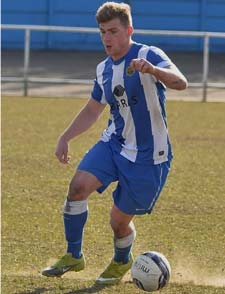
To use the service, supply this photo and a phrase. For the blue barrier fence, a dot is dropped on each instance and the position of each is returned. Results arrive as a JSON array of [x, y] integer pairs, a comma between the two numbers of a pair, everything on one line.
[[182, 15]]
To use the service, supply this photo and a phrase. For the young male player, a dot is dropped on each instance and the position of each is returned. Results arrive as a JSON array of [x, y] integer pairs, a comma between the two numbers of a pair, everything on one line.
[[134, 149]]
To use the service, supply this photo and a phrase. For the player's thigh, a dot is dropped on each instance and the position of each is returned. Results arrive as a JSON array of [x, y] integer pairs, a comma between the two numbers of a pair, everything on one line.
[[82, 185], [99, 162]]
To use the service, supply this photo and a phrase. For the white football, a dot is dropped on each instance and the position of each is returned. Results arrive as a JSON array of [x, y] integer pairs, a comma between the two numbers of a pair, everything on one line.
[[151, 271]]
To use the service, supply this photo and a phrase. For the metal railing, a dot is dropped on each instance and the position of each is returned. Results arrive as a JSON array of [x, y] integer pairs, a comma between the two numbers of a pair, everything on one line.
[[28, 28]]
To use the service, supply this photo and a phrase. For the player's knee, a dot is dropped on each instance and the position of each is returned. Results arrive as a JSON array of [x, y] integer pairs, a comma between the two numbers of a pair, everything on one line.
[[116, 226], [77, 190], [120, 228]]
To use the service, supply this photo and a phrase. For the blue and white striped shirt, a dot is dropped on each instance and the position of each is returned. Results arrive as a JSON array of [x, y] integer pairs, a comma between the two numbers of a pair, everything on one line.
[[137, 126]]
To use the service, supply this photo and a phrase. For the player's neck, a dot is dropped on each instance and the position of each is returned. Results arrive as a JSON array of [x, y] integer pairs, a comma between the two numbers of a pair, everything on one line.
[[123, 52]]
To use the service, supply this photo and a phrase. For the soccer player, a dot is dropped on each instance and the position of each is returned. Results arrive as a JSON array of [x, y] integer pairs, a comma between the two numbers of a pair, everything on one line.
[[134, 149]]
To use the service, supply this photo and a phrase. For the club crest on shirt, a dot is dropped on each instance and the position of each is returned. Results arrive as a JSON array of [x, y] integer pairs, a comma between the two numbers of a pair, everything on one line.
[[129, 71]]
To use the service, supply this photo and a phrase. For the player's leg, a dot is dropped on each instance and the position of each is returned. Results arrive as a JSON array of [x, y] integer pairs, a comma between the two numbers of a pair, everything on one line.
[[124, 236], [136, 194], [75, 213], [95, 172]]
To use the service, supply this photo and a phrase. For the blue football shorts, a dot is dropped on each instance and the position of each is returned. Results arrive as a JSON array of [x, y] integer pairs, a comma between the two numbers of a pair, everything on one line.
[[139, 185]]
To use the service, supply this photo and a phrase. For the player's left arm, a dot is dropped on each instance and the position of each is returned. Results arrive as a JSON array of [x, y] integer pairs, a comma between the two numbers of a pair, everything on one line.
[[171, 76]]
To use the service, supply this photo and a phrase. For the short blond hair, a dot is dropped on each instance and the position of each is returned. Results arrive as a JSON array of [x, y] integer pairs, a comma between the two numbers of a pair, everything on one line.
[[112, 10]]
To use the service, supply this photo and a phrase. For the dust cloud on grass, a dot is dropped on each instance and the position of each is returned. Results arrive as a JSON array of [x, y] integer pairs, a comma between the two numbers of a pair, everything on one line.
[[190, 270]]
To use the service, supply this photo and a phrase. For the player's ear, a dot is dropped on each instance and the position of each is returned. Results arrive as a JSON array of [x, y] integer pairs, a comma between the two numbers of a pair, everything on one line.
[[130, 30]]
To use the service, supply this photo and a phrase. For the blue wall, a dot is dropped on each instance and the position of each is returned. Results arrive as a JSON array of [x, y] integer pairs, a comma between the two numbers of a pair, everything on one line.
[[191, 15]]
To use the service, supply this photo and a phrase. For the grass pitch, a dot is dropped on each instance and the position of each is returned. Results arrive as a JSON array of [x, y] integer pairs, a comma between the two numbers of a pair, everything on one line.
[[187, 225]]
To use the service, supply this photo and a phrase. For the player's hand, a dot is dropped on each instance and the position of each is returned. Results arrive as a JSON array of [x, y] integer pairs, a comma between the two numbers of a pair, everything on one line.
[[62, 151], [142, 65]]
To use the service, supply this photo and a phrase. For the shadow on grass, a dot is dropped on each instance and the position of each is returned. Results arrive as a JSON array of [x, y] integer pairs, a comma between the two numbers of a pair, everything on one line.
[[35, 291], [92, 289]]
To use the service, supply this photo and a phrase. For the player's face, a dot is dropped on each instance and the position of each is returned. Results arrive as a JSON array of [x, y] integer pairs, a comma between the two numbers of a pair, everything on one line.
[[116, 38]]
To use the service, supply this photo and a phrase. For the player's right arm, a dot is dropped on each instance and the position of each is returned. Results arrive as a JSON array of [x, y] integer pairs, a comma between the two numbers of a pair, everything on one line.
[[82, 122]]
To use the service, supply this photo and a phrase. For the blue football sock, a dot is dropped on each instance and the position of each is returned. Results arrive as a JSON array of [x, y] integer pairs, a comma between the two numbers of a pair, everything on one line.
[[74, 225], [122, 254]]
